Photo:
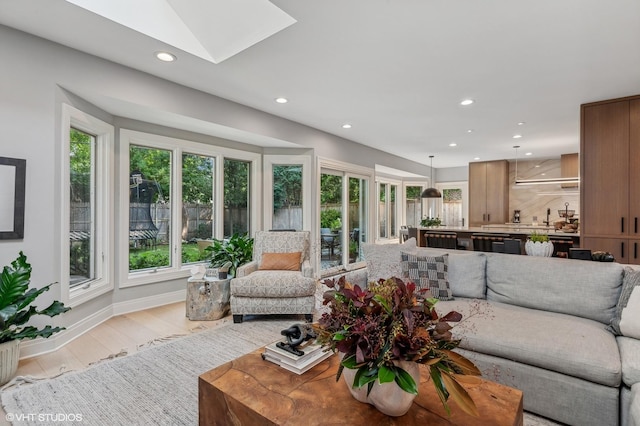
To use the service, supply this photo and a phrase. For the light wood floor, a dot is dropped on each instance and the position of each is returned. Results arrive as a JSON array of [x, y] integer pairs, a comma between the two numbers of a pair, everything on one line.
[[121, 333]]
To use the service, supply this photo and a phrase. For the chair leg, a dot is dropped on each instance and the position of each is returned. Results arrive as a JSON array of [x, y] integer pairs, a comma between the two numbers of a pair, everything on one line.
[[237, 319], [308, 317]]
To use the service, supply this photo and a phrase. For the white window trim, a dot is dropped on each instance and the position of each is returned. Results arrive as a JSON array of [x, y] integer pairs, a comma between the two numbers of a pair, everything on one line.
[[104, 241], [423, 184], [278, 160], [177, 147]]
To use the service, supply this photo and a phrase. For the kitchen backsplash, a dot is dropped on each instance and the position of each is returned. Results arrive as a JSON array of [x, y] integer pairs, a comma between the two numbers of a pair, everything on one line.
[[534, 200]]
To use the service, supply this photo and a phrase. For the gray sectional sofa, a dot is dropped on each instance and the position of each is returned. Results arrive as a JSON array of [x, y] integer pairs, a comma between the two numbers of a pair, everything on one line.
[[540, 325]]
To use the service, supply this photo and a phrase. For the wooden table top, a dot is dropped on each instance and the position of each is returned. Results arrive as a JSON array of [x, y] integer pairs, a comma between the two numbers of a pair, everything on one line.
[[251, 391]]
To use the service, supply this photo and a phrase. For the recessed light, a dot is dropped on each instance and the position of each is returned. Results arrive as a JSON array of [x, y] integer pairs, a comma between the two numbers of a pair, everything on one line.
[[346, 126], [453, 144], [466, 102], [521, 123], [282, 100], [517, 136], [470, 131], [166, 56], [537, 165], [529, 153], [476, 158]]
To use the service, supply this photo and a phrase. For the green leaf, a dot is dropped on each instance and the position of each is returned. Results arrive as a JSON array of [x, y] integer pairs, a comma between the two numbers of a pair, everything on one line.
[[405, 381], [386, 374]]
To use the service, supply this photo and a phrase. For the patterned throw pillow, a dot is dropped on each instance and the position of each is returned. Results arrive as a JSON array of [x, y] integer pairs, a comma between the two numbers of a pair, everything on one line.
[[627, 318], [428, 272]]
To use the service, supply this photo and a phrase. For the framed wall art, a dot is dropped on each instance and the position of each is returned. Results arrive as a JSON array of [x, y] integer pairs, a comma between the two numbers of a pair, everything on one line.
[[12, 185]]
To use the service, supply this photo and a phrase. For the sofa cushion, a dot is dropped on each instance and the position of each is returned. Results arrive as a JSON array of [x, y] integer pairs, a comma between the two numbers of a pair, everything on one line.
[[428, 272], [630, 357], [626, 321], [566, 344], [383, 260], [273, 284], [574, 287], [281, 261], [467, 271]]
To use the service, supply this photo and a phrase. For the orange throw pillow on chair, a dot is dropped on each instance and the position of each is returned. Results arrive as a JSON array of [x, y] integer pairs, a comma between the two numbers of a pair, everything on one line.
[[281, 261]]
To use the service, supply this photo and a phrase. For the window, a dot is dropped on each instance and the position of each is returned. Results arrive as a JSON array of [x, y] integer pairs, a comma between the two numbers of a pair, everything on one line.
[[387, 210], [236, 197], [178, 199], [198, 206], [87, 197], [413, 205], [344, 215], [287, 192], [150, 208]]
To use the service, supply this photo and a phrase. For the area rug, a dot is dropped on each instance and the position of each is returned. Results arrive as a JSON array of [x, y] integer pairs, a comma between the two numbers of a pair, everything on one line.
[[156, 386]]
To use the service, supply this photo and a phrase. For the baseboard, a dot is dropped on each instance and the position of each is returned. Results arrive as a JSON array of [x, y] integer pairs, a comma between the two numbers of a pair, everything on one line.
[[31, 348]]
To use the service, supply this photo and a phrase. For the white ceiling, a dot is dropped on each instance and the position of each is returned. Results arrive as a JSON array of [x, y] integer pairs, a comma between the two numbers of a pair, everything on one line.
[[394, 69]]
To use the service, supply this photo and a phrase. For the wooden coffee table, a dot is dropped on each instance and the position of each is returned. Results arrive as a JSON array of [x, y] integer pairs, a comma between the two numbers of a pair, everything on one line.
[[251, 391]]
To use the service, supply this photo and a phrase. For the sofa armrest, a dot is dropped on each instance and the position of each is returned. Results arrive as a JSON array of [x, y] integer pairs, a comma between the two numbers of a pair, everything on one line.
[[246, 269], [307, 270]]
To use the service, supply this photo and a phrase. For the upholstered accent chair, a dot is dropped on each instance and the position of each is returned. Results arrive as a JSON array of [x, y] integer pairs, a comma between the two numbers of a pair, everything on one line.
[[279, 279]]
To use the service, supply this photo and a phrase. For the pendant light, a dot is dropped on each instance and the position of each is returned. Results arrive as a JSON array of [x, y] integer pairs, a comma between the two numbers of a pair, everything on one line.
[[561, 180], [431, 192]]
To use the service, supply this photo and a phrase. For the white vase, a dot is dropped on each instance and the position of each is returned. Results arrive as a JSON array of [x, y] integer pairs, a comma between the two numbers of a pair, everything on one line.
[[9, 357], [543, 249], [388, 398]]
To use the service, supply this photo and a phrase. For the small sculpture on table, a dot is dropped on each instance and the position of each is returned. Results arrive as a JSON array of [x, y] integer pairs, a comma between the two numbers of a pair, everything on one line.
[[297, 336]]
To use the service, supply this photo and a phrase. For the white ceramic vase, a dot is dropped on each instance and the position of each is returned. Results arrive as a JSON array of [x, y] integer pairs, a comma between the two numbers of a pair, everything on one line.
[[388, 398], [543, 249], [9, 357]]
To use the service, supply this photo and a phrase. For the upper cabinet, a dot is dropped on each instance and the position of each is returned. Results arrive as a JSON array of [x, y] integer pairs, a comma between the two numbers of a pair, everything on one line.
[[488, 192], [610, 177]]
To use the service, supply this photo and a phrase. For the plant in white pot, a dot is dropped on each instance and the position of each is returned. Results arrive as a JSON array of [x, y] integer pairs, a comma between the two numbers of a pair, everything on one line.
[[15, 312], [538, 245]]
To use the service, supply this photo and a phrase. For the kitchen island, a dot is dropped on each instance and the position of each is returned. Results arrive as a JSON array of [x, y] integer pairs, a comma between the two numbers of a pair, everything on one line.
[[509, 230]]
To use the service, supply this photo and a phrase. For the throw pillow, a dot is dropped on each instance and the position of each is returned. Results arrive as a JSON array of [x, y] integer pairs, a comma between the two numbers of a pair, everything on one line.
[[626, 321], [428, 272], [281, 261]]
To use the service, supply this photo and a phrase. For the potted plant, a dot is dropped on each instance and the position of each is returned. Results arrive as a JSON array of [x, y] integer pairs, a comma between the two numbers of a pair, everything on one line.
[[236, 250], [429, 222], [15, 312], [538, 245], [384, 332]]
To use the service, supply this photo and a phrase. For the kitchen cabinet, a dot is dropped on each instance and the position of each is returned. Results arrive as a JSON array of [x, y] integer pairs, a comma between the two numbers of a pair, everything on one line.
[[488, 192], [610, 178]]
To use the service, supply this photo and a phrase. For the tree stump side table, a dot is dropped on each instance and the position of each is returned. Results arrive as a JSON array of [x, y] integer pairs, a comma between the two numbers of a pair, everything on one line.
[[207, 298]]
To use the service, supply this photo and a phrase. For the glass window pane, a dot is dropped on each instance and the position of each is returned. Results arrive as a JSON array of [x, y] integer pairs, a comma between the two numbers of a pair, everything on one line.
[[149, 208], [392, 211], [382, 211], [236, 197], [452, 207], [198, 178], [357, 217], [287, 197], [82, 216], [414, 205], [330, 220]]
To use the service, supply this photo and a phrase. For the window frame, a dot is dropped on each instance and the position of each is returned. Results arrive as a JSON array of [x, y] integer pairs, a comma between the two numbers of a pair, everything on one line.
[[397, 212], [103, 225], [177, 269]]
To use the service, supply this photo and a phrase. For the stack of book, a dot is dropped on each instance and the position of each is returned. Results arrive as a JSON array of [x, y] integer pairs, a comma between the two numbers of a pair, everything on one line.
[[313, 355]]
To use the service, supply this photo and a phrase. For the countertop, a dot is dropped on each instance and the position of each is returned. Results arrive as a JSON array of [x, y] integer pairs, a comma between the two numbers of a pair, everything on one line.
[[510, 228]]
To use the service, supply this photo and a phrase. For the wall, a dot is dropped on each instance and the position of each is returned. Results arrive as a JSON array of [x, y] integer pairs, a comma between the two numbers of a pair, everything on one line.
[[38, 76]]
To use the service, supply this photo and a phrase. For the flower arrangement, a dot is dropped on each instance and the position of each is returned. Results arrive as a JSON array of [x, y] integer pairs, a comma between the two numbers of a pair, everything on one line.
[[390, 321]]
